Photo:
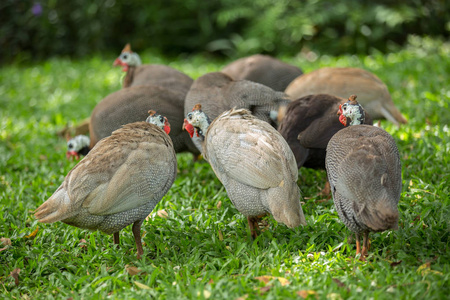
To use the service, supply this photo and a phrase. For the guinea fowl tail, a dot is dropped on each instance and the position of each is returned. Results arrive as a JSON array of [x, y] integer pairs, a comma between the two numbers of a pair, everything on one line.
[[382, 216], [391, 113], [54, 209]]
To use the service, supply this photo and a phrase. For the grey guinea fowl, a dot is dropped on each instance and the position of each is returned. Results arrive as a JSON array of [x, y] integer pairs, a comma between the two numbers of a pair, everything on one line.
[[118, 183], [218, 92], [161, 75], [365, 175], [263, 69], [130, 105], [309, 124], [341, 82], [253, 162]]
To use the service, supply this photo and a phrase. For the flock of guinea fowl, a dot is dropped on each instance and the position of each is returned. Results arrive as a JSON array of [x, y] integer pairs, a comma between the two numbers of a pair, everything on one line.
[[256, 122]]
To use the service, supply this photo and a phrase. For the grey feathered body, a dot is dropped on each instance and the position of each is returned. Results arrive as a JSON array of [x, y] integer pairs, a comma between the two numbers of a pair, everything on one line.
[[217, 92], [263, 69], [364, 171], [132, 104], [119, 182], [256, 166]]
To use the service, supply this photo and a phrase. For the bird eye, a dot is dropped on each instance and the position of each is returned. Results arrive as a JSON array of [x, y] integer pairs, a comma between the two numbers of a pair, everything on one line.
[[189, 116], [161, 119], [70, 145], [125, 56]]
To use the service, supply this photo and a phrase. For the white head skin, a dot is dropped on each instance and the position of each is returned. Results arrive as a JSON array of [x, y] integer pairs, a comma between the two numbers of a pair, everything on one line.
[[196, 119], [75, 145], [351, 110], [127, 59], [158, 120]]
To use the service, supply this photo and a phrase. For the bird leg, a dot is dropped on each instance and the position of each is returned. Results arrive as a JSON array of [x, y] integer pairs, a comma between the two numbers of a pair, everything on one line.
[[137, 237], [326, 191], [116, 238], [366, 244], [358, 248], [253, 225]]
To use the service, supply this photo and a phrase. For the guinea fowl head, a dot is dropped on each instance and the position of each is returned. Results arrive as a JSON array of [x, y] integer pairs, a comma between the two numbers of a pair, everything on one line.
[[351, 110], [76, 146], [127, 59], [158, 120], [198, 120]]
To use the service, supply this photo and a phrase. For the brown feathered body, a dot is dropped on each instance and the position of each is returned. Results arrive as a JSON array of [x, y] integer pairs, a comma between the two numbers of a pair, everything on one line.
[[365, 175], [132, 104], [160, 75], [217, 92], [118, 183], [309, 124], [342, 82], [255, 165], [263, 69]]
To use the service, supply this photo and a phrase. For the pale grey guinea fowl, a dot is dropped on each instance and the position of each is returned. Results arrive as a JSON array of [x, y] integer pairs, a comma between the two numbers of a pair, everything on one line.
[[218, 92], [118, 183], [365, 175], [253, 162]]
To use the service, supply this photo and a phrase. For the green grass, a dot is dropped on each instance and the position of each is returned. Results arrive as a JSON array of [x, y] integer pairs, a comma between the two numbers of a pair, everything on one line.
[[203, 249]]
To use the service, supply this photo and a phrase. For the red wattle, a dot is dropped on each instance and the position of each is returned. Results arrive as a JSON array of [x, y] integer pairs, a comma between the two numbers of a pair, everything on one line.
[[189, 128], [343, 120]]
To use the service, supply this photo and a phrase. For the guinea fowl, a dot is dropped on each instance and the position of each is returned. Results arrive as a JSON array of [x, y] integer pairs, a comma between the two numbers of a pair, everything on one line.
[[309, 124], [263, 69], [118, 183], [365, 175], [218, 92], [253, 162], [341, 82], [130, 105], [161, 75]]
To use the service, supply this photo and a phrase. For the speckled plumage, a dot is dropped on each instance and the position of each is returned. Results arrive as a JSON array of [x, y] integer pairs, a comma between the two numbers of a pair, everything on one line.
[[255, 165], [118, 183], [131, 105], [309, 124], [364, 171], [263, 69], [217, 92], [372, 93]]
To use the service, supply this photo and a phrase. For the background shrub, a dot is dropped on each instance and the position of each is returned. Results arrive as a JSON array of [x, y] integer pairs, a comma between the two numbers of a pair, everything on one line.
[[38, 29]]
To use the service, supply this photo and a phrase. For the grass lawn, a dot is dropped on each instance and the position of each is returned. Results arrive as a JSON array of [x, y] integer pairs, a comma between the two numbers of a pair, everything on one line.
[[197, 246]]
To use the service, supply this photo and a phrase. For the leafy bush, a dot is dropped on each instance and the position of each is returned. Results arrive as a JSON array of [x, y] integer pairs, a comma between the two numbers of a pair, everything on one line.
[[39, 29]]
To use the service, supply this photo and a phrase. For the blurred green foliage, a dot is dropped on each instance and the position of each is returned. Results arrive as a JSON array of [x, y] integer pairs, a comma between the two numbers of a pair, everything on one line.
[[41, 28]]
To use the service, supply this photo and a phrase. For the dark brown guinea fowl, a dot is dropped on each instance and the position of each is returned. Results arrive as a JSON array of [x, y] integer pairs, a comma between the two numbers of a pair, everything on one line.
[[118, 183], [309, 124], [263, 69], [365, 174], [130, 105], [154, 74]]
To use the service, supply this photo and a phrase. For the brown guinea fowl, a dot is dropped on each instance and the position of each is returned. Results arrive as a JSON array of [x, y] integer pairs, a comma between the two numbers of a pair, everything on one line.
[[130, 105], [341, 82], [161, 75], [309, 124], [217, 92], [365, 175], [263, 69], [253, 162], [118, 183]]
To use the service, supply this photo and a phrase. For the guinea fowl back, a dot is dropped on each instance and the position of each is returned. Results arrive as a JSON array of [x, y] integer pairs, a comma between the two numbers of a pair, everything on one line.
[[159, 75], [132, 104], [364, 171], [263, 69]]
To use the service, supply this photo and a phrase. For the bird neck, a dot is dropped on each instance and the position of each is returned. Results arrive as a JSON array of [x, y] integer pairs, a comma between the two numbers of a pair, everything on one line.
[[129, 77]]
